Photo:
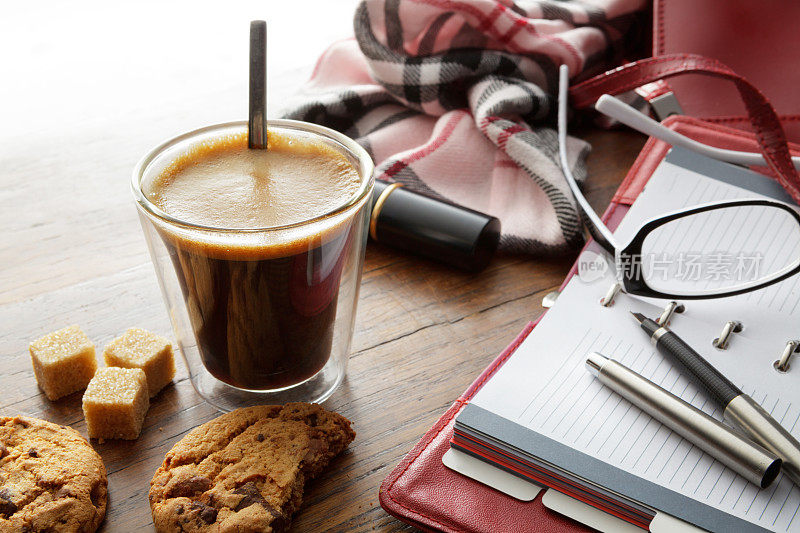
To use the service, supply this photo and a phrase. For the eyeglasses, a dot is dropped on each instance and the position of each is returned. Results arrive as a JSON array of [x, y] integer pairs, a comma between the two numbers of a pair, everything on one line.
[[656, 241]]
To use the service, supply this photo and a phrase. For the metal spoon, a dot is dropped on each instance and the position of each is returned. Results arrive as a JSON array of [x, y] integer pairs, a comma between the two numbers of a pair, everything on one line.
[[257, 118]]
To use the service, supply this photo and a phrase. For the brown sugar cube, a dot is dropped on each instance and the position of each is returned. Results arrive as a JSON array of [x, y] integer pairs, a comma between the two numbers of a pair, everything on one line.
[[138, 348], [63, 361], [115, 403]]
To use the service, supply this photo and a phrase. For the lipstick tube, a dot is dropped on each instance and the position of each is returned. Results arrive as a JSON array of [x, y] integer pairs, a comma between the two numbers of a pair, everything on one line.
[[430, 228]]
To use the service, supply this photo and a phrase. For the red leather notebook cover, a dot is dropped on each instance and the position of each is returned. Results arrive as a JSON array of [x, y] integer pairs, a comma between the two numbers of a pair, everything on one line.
[[423, 492]]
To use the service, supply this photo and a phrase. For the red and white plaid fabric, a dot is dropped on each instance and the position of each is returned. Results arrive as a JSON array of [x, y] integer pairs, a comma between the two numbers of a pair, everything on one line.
[[455, 98]]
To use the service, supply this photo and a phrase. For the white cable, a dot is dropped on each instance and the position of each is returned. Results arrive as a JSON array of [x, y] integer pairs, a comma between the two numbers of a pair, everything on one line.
[[614, 108], [563, 84]]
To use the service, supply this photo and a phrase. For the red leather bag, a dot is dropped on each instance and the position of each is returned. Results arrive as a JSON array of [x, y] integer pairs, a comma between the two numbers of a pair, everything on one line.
[[758, 41], [761, 116]]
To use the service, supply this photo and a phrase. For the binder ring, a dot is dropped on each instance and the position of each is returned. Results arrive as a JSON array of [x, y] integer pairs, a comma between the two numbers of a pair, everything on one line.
[[730, 327], [782, 364], [666, 315], [613, 291], [549, 299]]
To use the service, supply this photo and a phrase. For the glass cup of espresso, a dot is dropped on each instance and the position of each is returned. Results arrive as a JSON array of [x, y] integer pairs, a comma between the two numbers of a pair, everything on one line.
[[259, 254]]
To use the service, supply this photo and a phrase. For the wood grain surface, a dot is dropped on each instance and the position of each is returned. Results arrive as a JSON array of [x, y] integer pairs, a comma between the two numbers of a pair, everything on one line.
[[87, 90]]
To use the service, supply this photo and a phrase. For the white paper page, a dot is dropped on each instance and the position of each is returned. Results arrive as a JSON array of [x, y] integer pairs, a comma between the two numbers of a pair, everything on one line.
[[545, 387], [772, 314]]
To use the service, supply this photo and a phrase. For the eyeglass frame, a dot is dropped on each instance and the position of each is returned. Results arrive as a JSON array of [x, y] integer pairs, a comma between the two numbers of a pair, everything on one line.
[[629, 257]]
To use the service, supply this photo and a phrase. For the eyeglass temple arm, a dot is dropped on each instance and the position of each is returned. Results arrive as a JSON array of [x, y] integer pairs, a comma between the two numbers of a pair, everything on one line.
[[615, 108], [599, 231]]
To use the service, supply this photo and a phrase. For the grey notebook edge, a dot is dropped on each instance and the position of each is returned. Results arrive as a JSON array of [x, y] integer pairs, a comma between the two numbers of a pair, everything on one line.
[[603, 474], [728, 173]]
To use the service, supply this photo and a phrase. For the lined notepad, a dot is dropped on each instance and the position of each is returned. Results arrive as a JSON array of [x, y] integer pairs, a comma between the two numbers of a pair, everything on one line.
[[545, 388]]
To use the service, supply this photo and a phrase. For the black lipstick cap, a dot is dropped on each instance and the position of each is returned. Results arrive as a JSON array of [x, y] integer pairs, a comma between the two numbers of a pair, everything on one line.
[[431, 228]]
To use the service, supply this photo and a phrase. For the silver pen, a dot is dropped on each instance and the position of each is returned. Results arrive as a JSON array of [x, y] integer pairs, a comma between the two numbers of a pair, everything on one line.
[[738, 453], [739, 408]]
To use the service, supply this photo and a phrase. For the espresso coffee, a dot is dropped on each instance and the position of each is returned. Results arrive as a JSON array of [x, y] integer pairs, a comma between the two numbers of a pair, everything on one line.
[[262, 314]]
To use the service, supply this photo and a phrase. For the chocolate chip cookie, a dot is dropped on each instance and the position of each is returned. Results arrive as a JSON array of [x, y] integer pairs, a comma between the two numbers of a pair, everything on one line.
[[50, 478], [245, 470]]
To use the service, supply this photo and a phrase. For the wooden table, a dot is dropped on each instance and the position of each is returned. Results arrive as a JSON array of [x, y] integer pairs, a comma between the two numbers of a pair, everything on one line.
[[85, 94]]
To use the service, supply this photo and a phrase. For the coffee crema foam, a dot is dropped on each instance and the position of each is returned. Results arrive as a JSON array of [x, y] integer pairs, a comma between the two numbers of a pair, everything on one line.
[[223, 184]]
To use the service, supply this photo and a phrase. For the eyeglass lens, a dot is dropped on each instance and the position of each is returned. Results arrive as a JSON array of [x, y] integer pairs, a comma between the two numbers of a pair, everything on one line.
[[724, 249]]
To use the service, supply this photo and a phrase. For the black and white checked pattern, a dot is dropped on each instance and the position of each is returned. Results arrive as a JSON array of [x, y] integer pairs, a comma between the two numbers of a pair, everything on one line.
[[509, 95]]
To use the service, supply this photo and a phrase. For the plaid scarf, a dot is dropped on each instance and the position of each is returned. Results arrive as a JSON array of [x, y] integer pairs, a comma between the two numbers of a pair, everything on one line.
[[455, 99]]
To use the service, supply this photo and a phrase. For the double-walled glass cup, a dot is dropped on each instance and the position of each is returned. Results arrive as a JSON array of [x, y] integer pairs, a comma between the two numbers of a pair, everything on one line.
[[260, 315]]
